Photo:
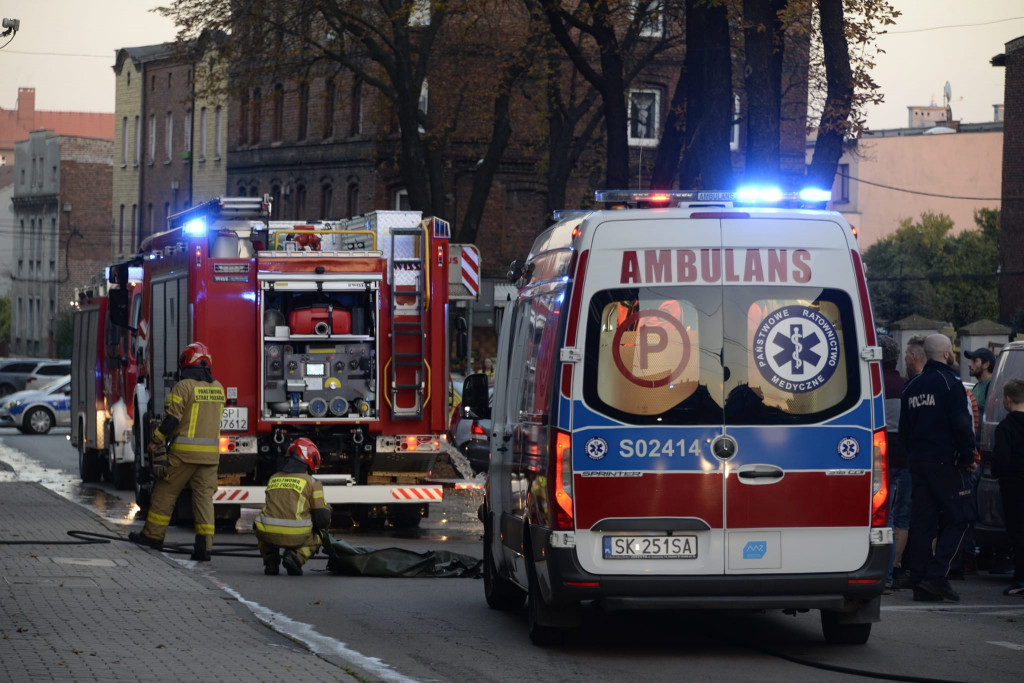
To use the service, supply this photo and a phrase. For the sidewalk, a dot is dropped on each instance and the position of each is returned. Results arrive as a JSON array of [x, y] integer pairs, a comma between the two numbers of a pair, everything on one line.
[[113, 612]]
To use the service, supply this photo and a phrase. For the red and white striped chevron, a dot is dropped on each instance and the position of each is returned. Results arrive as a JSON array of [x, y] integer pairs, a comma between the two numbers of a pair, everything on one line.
[[471, 268]]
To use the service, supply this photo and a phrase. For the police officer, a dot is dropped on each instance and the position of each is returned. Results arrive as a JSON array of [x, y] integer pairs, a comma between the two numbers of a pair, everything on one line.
[[294, 512], [936, 429], [192, 415]]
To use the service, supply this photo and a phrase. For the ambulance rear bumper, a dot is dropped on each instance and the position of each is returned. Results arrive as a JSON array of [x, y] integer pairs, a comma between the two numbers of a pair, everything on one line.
[[564, 581]]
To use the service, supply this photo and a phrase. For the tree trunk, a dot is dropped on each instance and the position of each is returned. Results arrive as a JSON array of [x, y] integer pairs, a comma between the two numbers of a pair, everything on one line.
[[763, 80], [839, 96], [708, 161]]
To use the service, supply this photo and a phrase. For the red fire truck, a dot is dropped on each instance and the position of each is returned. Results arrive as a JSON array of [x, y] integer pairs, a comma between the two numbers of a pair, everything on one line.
[[334, 331], [104, 372]]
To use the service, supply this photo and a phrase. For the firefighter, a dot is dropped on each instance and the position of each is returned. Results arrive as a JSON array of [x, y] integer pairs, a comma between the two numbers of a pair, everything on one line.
[[294, 514], [192, 414]]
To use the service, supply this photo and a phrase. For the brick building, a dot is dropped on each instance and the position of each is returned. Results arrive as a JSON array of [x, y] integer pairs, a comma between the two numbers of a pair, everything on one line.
[[170, 147], [17, 123], [61, 205], [1011, 236]]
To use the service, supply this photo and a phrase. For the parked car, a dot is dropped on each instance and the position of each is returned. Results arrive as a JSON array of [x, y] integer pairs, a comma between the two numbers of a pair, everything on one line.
[[990, 526], [13, 372], [37, 411], [470, 433], [45, 371]]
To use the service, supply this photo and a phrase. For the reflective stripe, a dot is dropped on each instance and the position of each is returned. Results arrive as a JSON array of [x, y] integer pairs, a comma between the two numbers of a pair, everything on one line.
[[162, 520], [158, 436], [285, 522], [197, 440], [191, 431], [193, 448], [173, 398], [205, 529], [286, 530]]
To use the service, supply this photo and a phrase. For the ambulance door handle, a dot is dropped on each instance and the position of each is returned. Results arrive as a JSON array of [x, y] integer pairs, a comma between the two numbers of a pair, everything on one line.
[[759, 474]]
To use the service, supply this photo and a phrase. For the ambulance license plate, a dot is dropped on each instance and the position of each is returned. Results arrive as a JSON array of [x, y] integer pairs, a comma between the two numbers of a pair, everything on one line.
[[683, 547], [235, 419]]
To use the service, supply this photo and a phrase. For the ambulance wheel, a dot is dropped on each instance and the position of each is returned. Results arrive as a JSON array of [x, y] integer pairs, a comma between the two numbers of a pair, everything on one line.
[[843, 634], [501, 594], [544, 621], [90, 468]]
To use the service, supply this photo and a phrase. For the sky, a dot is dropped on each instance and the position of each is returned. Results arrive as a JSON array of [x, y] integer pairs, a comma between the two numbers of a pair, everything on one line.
[[65, 50]]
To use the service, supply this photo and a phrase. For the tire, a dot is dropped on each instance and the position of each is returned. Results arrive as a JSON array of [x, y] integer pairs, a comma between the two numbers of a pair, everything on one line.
[[501, 594], [38, 421], [124, 476], [90, 469], [843, 634], [404, 516], [540, 616]]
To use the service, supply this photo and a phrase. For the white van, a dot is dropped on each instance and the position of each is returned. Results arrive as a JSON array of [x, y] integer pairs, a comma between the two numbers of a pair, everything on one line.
[[688, 413]]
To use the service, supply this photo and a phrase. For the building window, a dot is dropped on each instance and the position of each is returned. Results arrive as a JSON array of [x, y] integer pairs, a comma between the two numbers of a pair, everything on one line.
[[257, 114], [124, 141], [843, 182], [170, 133], [152, 84], [356, 125], [138, 141], [299, 207], [168, 81], [653, 25], [303, 110], [120, 231], [402, 200], [187, 136], [202, 133], [352, 200], [152, 137], [216, 133], [278, 127], [329, 95], [734, 131], [643, 117], [275, 199], [326, 201], [129, 78], [136, 234], [424, 101], [420, 13], [243, 119]]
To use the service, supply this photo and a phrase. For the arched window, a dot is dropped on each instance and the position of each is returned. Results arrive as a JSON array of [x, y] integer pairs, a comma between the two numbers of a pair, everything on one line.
[[278, 131], [328, 115], [243, 119], [303, 110], [257, 114], [352, 201], [356, 124], [326, 201]]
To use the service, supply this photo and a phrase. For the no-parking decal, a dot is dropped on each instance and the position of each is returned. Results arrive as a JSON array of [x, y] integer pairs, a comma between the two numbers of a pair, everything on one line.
[[796, 349]]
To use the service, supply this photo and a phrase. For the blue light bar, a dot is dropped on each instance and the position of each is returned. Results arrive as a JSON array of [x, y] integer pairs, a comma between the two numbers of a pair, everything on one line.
[[196, 226], [813, 194]]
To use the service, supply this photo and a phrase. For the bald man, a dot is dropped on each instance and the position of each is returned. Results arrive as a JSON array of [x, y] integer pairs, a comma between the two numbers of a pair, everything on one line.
[[937, 431]]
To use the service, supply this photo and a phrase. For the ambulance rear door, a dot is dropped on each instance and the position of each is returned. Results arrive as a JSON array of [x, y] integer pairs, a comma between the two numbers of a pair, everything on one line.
[[648, 404], [797, 443]]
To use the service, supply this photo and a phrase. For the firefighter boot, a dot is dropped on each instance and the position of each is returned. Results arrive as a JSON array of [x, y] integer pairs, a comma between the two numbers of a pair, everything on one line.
[[271, 568], [201, 551], [141, 539], [292, 563]]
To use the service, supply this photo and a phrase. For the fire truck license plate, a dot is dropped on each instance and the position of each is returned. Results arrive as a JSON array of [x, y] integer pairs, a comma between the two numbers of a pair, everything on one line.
[[650, 547], [235, 419]]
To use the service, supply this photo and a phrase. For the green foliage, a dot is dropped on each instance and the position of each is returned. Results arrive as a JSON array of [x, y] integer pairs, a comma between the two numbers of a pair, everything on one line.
[[63, 335], [922, 268]]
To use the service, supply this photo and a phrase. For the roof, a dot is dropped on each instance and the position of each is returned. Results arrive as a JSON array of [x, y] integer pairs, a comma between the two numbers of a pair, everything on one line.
[[984, 327], [917, 322]]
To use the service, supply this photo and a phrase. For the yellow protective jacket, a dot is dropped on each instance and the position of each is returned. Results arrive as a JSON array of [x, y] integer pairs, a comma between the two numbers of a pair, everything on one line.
[[198, 407], [286, 519]]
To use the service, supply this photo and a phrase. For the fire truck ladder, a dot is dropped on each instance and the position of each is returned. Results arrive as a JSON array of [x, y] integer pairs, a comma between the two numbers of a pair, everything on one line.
[[408, 269]]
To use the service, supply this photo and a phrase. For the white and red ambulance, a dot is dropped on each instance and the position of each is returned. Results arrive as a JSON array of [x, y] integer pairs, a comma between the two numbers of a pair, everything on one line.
[[688, 413]]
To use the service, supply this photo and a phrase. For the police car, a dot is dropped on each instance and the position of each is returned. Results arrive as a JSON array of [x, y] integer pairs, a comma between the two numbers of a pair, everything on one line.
[[688, 414], [37, 411]]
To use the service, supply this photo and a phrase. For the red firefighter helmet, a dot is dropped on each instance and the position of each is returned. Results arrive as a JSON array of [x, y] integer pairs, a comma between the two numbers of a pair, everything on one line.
[[305, 451], [194, 355]]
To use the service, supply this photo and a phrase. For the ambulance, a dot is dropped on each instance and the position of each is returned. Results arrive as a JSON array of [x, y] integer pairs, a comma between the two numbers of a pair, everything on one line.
[[688, 414]]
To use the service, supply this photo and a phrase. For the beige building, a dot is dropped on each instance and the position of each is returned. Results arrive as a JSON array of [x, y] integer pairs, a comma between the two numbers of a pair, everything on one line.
[[210, 137], [891, 175]]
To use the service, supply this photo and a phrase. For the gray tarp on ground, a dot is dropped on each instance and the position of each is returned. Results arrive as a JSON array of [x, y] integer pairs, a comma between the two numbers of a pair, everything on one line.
[[397, 562]]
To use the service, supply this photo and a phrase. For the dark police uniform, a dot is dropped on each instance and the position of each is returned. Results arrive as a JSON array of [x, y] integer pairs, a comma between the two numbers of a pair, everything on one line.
[[937, 432]]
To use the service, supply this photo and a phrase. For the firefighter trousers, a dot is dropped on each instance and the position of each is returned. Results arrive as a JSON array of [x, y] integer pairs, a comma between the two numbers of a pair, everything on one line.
[[272, 556], [202, 479]]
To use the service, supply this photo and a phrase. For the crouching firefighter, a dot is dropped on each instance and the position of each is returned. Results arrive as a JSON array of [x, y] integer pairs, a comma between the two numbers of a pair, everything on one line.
[[294, 513], [192, 415]]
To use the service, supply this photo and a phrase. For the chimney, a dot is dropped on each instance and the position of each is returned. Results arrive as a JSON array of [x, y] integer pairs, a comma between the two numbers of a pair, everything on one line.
[[27, 107]]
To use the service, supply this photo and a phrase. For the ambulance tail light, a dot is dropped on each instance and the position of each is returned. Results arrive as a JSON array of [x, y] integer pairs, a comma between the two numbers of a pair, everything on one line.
[[879, 480], [561, 482]]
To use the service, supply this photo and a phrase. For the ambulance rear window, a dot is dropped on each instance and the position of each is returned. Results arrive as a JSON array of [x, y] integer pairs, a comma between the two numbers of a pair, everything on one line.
[[708, 355]]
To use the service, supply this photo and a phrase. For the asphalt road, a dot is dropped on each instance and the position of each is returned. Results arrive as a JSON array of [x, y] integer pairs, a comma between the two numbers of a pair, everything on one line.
[[441, 629]]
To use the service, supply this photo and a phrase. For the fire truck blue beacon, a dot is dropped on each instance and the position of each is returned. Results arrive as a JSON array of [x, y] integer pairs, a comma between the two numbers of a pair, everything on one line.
[[688, 413]]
